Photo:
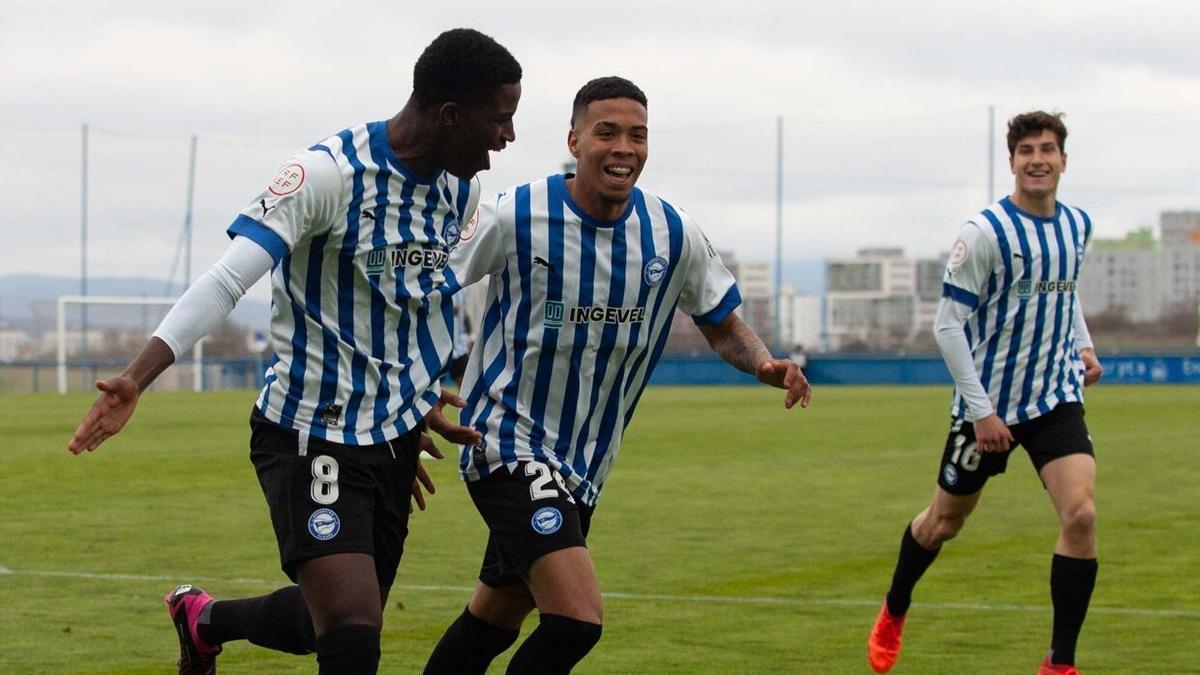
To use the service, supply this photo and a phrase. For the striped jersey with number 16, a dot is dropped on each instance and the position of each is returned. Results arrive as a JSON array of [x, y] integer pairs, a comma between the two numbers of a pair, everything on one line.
[[1015, 273], [360, 322], [578, 311]]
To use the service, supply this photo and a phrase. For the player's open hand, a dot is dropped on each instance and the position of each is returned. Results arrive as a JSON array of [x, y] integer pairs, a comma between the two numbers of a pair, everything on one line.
[[437, 422], [1092, 370], [992, 434], [785, 374], [423, 479], [110, 412]]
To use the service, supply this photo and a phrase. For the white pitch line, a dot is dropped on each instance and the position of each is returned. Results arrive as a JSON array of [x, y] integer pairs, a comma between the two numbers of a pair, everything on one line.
[[642, 597]]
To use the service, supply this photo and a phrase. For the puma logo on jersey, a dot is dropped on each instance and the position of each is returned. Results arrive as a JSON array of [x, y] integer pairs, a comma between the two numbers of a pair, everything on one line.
[[263, 203], [539, 260]]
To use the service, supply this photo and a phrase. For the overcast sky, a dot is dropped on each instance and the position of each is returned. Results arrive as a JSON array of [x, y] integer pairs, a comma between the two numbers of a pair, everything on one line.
[[884, 107]]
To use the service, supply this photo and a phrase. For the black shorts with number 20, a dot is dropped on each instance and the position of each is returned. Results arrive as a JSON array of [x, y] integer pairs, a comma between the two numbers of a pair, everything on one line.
[[529, 513], [1061, 432], [335, 498]]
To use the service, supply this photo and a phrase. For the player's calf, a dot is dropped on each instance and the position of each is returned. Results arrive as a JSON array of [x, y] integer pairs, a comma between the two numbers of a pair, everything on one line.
[[555, 646], [468, 646], [349, 650]]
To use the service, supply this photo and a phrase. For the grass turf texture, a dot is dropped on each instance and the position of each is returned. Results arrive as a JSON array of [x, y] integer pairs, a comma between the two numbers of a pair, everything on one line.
[[774, 531]]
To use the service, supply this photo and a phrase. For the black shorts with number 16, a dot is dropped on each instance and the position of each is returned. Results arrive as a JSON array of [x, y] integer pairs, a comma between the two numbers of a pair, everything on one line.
[[1061, 432]]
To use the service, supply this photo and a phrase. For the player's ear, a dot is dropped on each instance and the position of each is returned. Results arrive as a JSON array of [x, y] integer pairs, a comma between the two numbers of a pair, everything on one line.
[[1064, 162], [573, 143], [448, 114]]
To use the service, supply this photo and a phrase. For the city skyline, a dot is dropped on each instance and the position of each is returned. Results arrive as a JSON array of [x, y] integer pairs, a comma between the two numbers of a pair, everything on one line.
[[884, 110]]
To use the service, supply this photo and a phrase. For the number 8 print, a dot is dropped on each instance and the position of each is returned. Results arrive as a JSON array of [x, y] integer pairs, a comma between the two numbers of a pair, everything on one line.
[[325, 476]]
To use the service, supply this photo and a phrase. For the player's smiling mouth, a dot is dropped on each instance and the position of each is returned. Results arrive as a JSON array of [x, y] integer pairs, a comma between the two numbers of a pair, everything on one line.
[[620, 174]]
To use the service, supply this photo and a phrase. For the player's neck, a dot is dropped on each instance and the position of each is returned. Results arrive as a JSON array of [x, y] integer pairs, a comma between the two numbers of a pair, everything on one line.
[[592, 203], [412, 139], [1045, 207]]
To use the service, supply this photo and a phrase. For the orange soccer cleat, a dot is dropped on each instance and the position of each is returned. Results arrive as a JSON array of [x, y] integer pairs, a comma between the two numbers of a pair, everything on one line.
[[883, 646]]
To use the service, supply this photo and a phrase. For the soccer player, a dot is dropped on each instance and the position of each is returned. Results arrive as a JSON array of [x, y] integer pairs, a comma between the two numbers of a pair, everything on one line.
[[356, 231], [1012, 333], [586, 271]]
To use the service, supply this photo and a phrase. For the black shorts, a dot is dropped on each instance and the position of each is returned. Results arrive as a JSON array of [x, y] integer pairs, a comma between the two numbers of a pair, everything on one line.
[[335, 498], [529, 513], [1061, 432]]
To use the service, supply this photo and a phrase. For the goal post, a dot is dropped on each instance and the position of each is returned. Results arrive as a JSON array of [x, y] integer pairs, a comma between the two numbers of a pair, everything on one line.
[[61, 330]]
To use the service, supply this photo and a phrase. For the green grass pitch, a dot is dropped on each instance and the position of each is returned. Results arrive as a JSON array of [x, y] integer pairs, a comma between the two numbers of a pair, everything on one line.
[[733, 537]]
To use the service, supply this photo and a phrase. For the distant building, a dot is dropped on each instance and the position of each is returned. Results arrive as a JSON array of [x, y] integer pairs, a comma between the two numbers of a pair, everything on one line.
[[13, 344], [1143, 278], [880, 299]]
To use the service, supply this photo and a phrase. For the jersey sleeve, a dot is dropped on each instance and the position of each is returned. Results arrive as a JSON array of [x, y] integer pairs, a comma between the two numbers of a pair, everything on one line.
[[971, 262], [299, 202], [710, 292], [481, 247]]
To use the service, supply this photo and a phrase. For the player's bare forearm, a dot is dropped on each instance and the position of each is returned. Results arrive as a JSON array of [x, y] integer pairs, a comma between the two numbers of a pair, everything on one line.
[[156, 357], [737, 344]]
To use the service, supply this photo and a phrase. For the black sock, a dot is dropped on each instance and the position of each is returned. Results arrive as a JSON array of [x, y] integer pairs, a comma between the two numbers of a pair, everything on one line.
[[914, 560], [277, 621], [349, 650], [555, 646], [1071, 584], [468, 646]]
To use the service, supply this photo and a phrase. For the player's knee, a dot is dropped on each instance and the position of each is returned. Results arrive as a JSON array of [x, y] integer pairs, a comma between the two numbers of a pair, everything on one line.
[[944, 529], [334, 618], [1080, 520]]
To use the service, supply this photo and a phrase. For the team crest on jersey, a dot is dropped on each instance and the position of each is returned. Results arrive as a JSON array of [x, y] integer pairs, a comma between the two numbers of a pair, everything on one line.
[[451, 233], [324, 524], [546, 520], [655, 271], [950, 474], [555, 311]]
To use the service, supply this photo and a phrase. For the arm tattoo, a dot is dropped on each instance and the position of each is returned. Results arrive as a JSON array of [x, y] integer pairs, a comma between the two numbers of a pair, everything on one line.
[[738, 344]]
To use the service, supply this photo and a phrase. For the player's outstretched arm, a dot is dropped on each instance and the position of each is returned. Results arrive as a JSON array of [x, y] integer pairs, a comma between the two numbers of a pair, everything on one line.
[[119, 397], [737, 343]]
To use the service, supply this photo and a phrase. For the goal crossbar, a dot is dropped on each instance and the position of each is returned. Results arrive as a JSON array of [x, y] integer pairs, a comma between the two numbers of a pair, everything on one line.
[[64, 300]]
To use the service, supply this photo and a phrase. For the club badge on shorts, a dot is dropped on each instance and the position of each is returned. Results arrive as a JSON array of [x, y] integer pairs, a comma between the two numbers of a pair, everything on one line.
[[324, 524], [547, 520], [950, 474]]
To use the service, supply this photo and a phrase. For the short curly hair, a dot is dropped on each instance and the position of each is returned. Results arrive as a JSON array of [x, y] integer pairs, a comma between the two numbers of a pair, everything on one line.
[[464, 66], [1035, 122], [602, 89]]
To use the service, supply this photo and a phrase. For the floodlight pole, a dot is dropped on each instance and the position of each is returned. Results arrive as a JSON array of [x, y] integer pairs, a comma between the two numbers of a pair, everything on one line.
[[778, 341], [991, 153], [187, 217], [83, 213]]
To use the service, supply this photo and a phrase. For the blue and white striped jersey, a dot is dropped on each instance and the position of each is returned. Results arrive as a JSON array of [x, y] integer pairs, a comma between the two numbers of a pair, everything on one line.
[[1016, 273], [578, 311], [360, 323]]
